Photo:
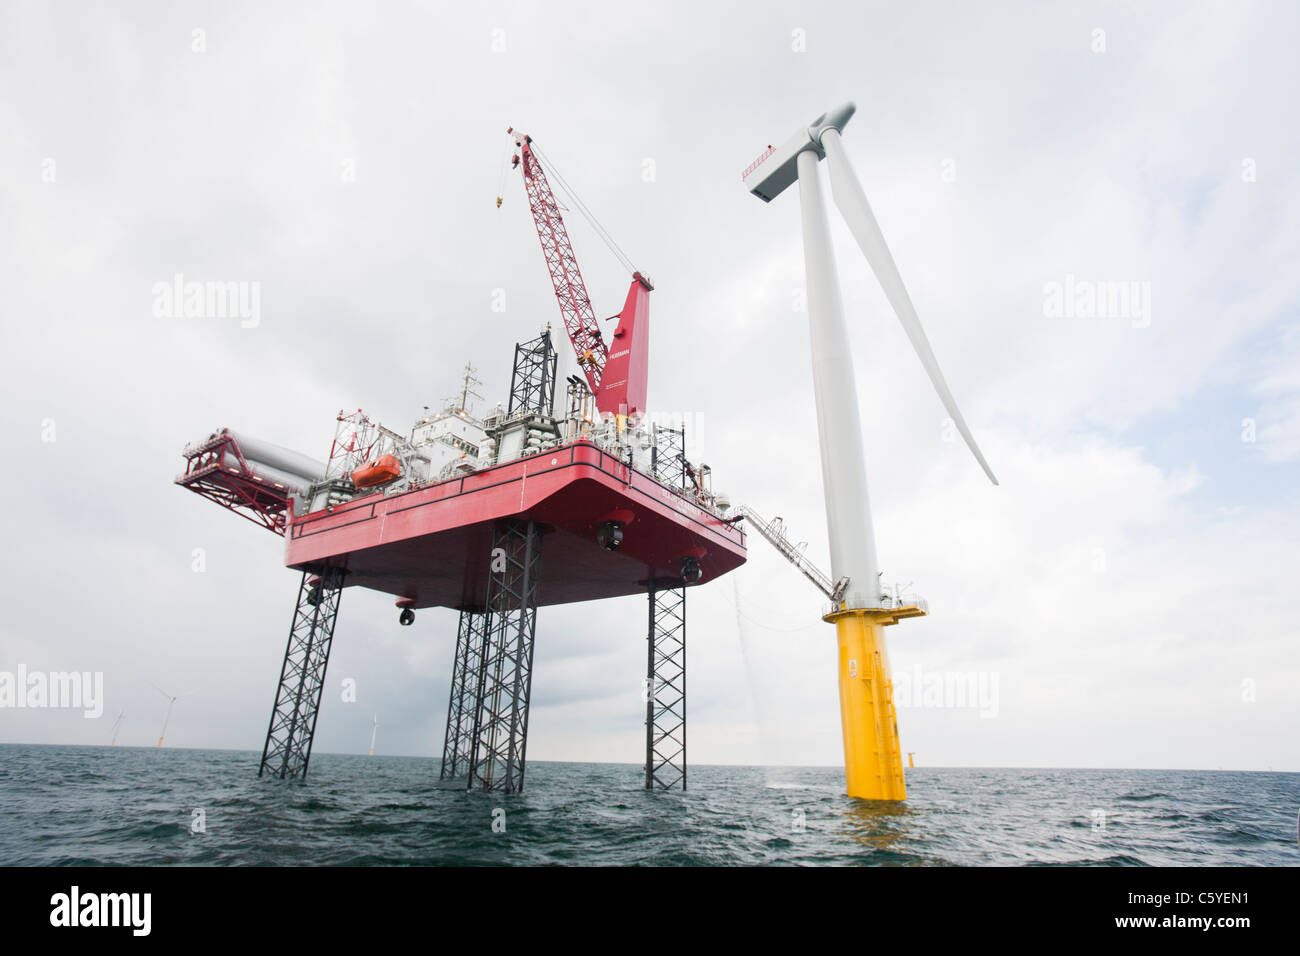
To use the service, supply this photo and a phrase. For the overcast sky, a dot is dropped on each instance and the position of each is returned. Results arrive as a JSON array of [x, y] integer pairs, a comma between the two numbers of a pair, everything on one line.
[[1130, 588]]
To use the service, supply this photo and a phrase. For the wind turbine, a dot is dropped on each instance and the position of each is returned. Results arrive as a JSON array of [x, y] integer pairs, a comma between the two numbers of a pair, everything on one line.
[[872, 759], [171, 703], [116, 724], [374, 727]]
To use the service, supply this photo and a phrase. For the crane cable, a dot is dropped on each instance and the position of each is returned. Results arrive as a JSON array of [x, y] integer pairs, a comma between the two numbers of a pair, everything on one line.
[[501, 187], [736, 606], [587, 214]]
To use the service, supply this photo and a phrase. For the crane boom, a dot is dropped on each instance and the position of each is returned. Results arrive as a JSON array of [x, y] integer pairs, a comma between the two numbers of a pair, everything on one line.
[[566, 277], [623, 390]]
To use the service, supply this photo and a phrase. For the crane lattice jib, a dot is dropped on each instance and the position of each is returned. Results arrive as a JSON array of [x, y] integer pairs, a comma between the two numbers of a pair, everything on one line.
[[570, 290]]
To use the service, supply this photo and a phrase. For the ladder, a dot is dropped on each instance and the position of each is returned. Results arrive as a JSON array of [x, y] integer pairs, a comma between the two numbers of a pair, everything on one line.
[[775, 533]]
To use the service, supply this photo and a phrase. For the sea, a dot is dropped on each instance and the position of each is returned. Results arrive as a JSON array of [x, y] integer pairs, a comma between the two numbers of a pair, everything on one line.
[[124, 806]]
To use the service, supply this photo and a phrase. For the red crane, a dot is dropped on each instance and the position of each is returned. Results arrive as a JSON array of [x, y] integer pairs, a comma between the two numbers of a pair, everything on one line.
[[617, 372]]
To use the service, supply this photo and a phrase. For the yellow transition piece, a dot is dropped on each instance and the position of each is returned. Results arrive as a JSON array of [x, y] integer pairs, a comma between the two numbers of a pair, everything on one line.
[[873, 764]]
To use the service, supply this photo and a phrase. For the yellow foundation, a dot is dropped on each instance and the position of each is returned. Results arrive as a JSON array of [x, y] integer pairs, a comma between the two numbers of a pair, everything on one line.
[[873, 764]]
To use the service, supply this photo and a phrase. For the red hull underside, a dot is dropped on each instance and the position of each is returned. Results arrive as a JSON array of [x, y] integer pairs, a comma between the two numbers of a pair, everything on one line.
[[432, 546]]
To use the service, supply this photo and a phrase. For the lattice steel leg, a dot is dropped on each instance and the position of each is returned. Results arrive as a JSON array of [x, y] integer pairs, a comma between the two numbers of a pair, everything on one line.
[[302, 678], [665, 710], [500, 733], [457, 748]]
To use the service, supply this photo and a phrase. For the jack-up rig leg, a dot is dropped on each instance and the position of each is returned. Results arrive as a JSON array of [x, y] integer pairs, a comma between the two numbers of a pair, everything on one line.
[[457, 748], [665, 690], [499, 735], [302, 678]]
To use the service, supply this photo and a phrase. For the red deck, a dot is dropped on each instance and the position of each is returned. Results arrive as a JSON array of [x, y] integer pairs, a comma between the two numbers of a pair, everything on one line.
[[433, 545]]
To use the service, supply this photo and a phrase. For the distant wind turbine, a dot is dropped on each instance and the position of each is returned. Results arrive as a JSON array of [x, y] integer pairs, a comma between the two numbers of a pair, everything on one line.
[[171, 698], [374, 726], [116, 724]]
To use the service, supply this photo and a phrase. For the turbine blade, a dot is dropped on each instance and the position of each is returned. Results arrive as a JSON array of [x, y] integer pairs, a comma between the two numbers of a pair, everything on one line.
[[853, 206]]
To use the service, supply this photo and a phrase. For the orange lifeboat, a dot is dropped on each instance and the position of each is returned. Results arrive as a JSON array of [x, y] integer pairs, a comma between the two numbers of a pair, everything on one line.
[[381, 471]]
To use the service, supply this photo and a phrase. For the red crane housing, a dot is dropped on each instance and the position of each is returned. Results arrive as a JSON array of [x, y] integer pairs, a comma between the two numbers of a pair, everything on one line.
[[618, 373]]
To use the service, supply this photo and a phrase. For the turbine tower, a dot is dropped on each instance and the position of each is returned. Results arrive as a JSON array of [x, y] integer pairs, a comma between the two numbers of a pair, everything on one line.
[[171, 702], [872, 757]]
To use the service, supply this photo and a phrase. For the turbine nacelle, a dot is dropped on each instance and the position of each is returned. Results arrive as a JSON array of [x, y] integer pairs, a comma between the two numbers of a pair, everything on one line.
[[779, 167]]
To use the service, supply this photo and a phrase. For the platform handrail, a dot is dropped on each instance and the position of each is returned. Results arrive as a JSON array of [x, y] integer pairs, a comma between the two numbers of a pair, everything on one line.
[[758, 162]]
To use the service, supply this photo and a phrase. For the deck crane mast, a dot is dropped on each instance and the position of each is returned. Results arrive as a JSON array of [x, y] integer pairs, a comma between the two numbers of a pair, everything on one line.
[[616, 372]]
